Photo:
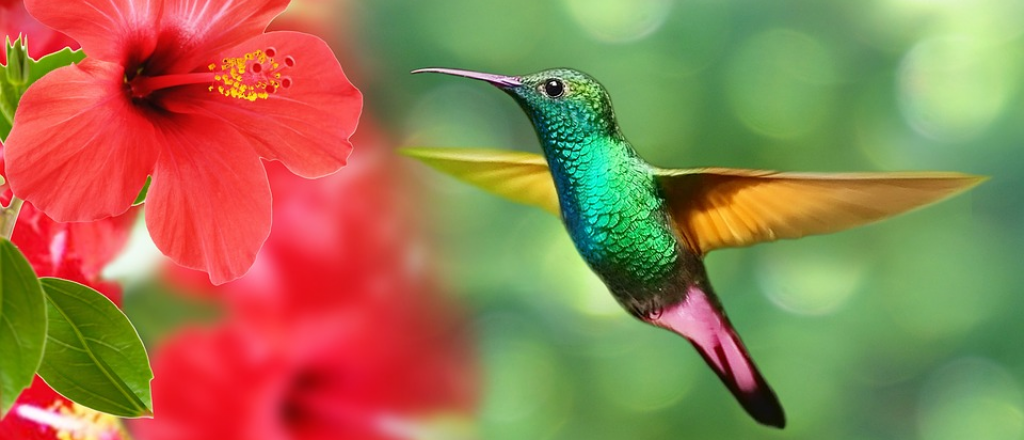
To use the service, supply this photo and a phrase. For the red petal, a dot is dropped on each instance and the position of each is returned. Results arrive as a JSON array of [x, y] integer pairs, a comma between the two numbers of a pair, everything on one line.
[[80, 150], [119, 31], [213, 384], [208, 207], [305, 126], [193, 30]]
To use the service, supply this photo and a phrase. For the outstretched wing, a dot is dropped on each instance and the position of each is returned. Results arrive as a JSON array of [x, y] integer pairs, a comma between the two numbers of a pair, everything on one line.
[[716, 208], [521, 177]]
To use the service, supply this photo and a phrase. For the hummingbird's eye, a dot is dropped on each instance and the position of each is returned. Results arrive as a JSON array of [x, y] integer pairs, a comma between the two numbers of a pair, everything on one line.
[[554, 88]]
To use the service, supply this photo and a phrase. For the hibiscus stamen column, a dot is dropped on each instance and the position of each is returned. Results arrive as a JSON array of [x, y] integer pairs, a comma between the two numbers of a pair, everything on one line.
[[255, 75]]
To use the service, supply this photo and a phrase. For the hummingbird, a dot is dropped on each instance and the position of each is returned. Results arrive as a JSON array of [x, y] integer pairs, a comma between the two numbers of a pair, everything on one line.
[[645, 230]]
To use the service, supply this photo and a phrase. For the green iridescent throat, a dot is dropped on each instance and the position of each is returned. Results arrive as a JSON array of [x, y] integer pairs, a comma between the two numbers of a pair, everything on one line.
[[609, 199]]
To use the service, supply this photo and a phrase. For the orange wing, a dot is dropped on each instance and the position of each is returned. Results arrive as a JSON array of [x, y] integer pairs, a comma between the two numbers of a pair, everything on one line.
[[716, 208]]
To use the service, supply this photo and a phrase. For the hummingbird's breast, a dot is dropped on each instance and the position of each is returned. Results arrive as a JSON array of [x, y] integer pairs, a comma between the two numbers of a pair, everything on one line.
[[615, 215]]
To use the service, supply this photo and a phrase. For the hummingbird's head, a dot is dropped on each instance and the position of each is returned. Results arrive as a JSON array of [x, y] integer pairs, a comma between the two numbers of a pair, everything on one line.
[[565, 105]]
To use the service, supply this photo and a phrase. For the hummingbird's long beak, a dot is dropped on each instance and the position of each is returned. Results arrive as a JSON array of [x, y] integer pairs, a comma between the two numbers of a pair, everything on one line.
[[504, 82]]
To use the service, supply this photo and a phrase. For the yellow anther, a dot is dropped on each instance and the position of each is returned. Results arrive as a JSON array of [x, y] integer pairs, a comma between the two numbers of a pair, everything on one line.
[[254, 75], [91, 424]]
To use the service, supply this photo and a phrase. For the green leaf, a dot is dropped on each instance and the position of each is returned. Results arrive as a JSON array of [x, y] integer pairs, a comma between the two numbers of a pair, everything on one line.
[[142, 194], [53, 61], [93, 354], [22, 324], [13, 79], [10, 95]]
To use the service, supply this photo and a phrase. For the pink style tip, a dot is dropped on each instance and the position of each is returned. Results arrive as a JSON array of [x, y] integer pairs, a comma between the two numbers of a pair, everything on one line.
[[701, 321]]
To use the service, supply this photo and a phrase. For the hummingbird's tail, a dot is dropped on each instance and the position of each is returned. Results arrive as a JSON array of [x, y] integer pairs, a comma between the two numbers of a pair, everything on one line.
[[699, 318]]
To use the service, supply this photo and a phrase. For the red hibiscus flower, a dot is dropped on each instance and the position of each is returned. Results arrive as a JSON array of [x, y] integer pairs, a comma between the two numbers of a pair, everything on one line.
[[192, 93]]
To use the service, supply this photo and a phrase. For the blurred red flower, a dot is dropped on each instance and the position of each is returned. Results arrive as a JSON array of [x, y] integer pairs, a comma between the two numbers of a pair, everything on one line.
[[15, 20], [336, 333], [42, 414], [192, 93], [371, 369]]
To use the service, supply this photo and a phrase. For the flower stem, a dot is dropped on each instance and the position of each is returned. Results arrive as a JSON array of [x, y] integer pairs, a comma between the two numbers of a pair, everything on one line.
[[9, 217]]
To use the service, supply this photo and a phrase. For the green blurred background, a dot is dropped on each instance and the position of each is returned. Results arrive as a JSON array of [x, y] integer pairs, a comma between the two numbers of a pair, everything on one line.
[[908, 329]]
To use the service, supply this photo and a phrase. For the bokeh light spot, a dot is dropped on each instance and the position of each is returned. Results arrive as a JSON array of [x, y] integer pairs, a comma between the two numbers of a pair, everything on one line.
[[952, 88], [652, 375], [779, 83], [576, 283], [523, 375], [476, 33], [139, 259], [971, 398], [997, 20], [619, 21], [948, 297], [459, 113], [804, 281]]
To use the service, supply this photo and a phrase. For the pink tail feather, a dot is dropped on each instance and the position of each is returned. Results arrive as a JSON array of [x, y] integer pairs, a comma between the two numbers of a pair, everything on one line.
[[700, 320]]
